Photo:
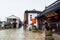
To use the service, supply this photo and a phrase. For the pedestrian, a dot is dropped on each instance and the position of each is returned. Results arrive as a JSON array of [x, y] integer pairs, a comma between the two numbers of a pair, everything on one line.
[[25, 26], [14, 24], [48, 32], [34, 28], [43, 28]]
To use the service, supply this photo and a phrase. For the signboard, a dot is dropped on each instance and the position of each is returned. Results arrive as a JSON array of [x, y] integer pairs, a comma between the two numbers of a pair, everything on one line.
[[51, 14]]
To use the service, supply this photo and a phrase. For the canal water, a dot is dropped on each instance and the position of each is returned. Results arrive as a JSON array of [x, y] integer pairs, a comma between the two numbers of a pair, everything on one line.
[[19, 34]]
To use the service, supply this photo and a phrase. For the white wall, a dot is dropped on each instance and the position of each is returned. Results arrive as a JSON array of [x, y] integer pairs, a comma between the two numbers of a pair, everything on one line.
[[33, 16]]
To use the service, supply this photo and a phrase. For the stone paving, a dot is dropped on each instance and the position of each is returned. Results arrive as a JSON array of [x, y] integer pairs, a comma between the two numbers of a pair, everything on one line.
[[56, 37], [19, 34]]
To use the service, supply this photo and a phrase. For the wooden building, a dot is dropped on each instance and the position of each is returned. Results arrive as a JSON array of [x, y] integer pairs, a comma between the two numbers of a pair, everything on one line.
[[51, 14]]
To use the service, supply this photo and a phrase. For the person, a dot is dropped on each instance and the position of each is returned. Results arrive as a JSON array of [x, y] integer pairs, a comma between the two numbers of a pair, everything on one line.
[[48, 32], [43, 28], [30, 27], [34, 29], [25, 26], [14, 24]]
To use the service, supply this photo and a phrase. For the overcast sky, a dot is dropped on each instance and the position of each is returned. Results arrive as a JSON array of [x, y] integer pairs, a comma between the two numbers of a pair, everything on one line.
[[17, 7]]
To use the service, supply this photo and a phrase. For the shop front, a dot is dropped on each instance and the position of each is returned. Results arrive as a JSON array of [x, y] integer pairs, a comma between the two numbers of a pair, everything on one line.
[[51, 15], [53, 20]]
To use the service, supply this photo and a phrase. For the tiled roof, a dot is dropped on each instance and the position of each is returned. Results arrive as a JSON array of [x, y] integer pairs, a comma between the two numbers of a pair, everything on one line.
[[32, 11], [53, 7], [12, 16]]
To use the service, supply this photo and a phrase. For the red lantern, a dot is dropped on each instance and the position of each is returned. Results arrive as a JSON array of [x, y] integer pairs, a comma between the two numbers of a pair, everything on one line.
[[49, 19], [56, 17]]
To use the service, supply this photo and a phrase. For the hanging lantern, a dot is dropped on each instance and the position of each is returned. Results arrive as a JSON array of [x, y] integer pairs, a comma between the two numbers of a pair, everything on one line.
[[56, 17], [49, 19]]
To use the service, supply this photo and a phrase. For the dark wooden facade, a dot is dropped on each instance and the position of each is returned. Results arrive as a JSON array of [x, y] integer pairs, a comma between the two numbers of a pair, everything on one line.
[[50, 13]]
